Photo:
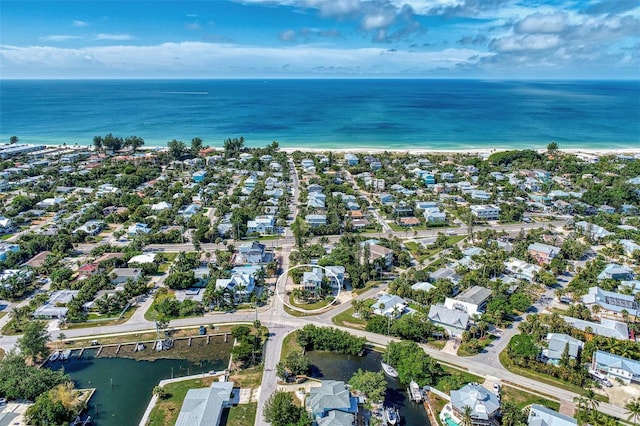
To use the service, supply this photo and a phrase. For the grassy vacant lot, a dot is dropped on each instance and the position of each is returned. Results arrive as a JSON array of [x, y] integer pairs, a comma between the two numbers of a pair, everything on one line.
[[509, 365], [346, 319], [166, 411], [242, 415], [289, 344], [522, 398]]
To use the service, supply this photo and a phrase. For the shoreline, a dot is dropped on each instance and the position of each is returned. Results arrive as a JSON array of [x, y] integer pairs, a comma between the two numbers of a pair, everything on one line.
[[370, 150]]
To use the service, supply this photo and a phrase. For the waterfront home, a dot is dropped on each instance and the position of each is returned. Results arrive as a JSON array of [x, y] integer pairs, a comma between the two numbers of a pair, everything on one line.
[[557, 343], [539, 415], [454, 321], [611, 301], [485, 406], [486, 212], [616, 366], [472, 301], [389, 306], [122, 275], [606, 327], [543, 253], [330, 397], [203, 407], [316, 220]]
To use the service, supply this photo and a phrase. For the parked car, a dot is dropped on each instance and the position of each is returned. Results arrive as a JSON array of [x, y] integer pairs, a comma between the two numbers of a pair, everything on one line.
[[496, 388], [3, 401]]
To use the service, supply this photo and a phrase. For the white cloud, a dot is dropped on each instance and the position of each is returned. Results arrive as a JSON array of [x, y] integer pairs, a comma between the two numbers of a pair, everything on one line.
[[532, 42], [78, 23], [113, 37], [288, 35], [59, 37], [198, 59], [542, 24]]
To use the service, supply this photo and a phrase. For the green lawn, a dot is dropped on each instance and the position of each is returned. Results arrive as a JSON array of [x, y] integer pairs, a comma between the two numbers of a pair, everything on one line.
[[509, 365], [100, 320], [308, 306], [522, 398], [289, 344], [346, 319], [242, 415], [463, 350]]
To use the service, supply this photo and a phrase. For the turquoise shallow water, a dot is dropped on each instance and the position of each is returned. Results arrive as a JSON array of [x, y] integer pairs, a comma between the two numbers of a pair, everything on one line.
[[393, 114]]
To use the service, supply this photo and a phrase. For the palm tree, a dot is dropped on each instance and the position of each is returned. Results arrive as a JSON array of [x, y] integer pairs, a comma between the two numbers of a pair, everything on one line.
[[581, 403], [592, 402], [466, 416], [633, 408]]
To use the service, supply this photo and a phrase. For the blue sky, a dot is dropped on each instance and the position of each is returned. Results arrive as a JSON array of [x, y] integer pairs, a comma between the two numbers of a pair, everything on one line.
[[489, 39]]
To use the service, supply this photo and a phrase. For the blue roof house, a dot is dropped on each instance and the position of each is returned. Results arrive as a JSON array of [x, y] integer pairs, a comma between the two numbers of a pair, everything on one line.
[[199, 176]]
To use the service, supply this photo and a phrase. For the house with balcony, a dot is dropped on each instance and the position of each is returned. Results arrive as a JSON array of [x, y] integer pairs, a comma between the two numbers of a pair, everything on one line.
[[316, 220], [261, 225], [312, 280], [616, 366], [253, 252], [613, 271], [472, 301], [611, 301], [485, 212], [335, 275]]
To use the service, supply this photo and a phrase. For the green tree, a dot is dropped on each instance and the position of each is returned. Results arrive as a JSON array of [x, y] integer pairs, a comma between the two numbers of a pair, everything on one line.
[[297, 363], [279, 410], [300, 230], [370, 383], [467, 420], [33, 342], [13, 139], [161, 392], [196, 146], [552, 148], [633, 409], [134, 142], [176, 149]]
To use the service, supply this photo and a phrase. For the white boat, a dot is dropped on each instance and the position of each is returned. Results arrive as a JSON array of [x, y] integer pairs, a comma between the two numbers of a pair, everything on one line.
[[391, 416], [65, 355], [389, 370], [414, 392], [54, 356]]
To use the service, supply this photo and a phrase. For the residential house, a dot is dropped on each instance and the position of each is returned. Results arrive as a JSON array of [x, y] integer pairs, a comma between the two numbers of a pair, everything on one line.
[[376, 251], [557, 343], [386, 199], [253, 252], [351, 159], [5, 249], [630, 247], [335, 275], [316, 200], [423, 286], [486, 212], [408, 221], [7, 226], [308, 165], [55, 308], [429, 179], [543, 253], [606, 327], [239, 286], [434, 215], [203, 407], [88, 269], [539, 415], [446, 274], [261, 225], [162, 205], [593, 231], [454, 321], [330, 397], [189, 210], [312, 280], [199, 176], [611, 301], [138, 229], [485, 406], [616, 366], [316, 220], [607, 209], [522, 270], [628, 209], [472, 301], [122, 275], [141, 259], [480, 195], [389, 305], [91, 227], [50, 202], [616, 272]]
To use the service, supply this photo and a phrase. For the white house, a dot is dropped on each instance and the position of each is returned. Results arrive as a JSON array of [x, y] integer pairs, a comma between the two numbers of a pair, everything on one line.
[[486, 212], [389, 305], [472, 301], [261, 225]]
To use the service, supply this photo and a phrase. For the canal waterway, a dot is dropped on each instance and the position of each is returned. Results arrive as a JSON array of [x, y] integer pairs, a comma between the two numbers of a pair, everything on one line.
[[124, 386], [332, 366]]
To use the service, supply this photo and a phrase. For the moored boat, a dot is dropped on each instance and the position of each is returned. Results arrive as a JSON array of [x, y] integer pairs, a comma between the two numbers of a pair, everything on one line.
[[65, 355], [54, 356], [389, 370], [391, 416]]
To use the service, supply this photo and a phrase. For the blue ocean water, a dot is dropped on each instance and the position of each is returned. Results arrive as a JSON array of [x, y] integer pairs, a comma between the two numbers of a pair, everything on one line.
[[391, 114]]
